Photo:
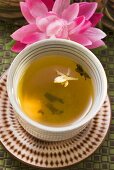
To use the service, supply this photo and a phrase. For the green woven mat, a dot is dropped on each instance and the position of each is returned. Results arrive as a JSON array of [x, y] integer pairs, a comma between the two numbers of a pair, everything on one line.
[[103, 158]]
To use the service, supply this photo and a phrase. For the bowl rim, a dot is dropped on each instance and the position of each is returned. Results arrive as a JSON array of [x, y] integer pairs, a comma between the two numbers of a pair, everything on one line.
[[41, 126]]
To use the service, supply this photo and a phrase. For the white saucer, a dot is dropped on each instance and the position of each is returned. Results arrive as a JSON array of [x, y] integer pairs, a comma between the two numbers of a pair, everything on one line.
[[49, 154]]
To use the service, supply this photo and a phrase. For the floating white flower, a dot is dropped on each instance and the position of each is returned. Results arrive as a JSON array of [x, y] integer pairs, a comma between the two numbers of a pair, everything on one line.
[[64, 78]]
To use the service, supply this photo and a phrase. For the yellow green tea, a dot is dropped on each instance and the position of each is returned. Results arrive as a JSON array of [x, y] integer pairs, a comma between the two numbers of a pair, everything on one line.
[[55, 91]]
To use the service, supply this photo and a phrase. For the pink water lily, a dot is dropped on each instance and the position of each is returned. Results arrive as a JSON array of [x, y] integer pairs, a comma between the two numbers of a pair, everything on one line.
[[59, 19]]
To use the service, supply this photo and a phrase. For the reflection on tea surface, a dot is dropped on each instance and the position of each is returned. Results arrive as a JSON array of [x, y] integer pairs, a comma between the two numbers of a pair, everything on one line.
[[55, 91]]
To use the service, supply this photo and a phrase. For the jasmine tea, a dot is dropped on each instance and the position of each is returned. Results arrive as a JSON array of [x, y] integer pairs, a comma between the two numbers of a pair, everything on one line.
[[55, 91]]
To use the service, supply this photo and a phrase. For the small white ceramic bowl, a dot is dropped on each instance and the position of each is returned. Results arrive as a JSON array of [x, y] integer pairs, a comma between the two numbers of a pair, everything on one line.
[[71, 49]]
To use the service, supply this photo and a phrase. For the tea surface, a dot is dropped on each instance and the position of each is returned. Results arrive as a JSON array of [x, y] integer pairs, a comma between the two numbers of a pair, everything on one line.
[[50, 103]]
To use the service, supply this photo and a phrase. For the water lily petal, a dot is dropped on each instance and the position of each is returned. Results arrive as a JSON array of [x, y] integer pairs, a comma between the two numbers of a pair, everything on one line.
[[34, 37], [78, 23], [57, 28], [37, 8], [71, 12], [24, 32], [87, 9], [44, 22], [26, 13], [71, 25], [96, 44], [85, 26], [60, 5], [53, 28], [83, 3], [96, 18], [62, 33], [81, 39], [18, 46], [48, 3], [94, 34]]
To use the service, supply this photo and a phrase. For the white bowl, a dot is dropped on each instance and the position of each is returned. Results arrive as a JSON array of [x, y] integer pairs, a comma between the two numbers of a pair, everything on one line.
[[71, 49]]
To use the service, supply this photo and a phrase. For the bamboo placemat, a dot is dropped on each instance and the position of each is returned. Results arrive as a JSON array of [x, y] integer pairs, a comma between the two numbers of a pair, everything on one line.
[[103, 158]]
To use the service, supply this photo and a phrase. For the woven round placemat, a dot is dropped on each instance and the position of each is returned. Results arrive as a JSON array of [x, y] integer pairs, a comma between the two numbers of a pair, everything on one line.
[[103, 158]]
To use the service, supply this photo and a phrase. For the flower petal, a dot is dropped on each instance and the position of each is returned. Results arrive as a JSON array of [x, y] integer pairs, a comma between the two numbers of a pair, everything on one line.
[[37, 8], [59, 79], [18, 46], [87, 9], [48, 3], [66, 84], [94, 34], [34, 37], [60, 5], [85, 26], [96, 18], [96, 44], [62, 33], [58, 29], [71, 12], [81, 39], [44, 22], [24, 32], [78, 23], [53, 28], [26, 13]]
